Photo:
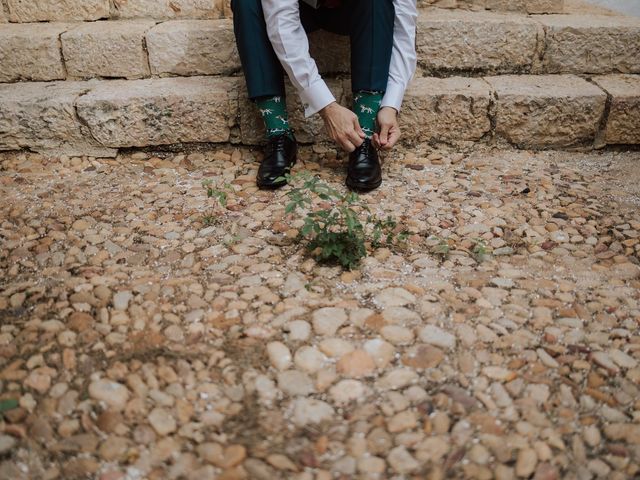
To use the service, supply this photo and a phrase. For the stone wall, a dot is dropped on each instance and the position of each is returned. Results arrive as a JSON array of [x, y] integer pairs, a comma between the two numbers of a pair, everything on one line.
[[529, 111], [528, 6], [26, 11], [448, 42], [98, 75]]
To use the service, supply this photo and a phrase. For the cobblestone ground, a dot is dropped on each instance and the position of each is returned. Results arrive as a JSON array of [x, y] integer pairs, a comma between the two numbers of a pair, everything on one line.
[[139, 342]]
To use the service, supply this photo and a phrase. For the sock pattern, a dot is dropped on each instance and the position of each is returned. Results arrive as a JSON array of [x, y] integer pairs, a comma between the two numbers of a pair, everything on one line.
[[366, 105], [274, 114]]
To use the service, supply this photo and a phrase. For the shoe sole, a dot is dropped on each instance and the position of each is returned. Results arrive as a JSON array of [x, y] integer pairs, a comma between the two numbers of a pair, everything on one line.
[[270, 186], [362, 187]]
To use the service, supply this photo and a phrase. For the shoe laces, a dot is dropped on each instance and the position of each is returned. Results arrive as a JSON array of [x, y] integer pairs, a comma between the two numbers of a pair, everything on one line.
[[366, 150], [277, 144]]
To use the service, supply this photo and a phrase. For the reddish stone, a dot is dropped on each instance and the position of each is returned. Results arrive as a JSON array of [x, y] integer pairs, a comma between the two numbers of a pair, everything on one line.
[[423, 356], [356, 364]]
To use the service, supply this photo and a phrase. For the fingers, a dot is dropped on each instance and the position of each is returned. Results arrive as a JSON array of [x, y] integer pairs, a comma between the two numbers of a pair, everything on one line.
[[355, 138], [350, 141], [358, 128], [376, 140], [384, 134], [344, 128], [347, 145], [394, 136], [347, 142]]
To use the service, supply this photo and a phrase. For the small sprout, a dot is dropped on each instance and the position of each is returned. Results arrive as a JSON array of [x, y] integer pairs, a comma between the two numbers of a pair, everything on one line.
[[8, 404], [480, 249], [209, 220], [441, 248], [221, 195], [218, 194], [230, 240]]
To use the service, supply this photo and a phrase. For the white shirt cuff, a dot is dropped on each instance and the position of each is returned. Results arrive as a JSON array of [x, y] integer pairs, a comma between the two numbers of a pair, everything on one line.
[[315, 97], [393, 96]]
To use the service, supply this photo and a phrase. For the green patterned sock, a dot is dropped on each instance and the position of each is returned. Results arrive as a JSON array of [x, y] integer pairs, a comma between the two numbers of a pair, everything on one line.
[[366, 106], [274, 114]]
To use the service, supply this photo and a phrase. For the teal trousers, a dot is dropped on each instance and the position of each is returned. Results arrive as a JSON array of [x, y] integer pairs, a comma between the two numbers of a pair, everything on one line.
[[368, 24]]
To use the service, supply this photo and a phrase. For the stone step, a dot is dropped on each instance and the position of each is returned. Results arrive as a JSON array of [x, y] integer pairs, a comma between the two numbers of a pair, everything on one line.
[[448, 43], [97, 117], [21, 11], [526, 6]]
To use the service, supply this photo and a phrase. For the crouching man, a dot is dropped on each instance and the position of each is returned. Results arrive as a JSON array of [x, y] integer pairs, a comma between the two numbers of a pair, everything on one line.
[[272, 39]]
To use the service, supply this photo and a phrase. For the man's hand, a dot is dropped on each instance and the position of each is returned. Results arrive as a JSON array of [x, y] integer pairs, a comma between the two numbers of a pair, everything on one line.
[[343, 127], [389, 129]]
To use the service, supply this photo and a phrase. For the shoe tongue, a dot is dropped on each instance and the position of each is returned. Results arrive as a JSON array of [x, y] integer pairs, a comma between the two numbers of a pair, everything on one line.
[[364, 156], [365, 149], [277, 142]]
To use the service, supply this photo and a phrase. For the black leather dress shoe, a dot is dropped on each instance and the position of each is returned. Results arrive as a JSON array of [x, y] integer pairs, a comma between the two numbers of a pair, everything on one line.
[[364, 172], [279, 156]]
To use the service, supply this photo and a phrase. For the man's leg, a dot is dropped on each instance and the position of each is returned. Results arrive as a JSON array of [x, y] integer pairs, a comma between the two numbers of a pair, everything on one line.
[[371, 33], [262, 70], [369, 24], [265, 83]]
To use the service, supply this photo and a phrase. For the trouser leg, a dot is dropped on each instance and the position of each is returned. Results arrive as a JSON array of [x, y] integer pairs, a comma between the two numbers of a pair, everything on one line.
[[262, 70], [369, 24], [371, 44]]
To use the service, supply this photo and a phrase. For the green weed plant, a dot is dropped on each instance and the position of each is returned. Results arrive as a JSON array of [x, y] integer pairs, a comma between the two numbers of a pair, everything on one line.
[[344, 228]]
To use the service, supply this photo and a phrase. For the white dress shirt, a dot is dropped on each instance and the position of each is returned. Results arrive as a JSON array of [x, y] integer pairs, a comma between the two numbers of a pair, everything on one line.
[[291, 45]]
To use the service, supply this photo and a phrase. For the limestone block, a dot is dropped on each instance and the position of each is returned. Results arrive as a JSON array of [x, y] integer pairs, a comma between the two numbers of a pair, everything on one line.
[[162, 9], [31, 52], [41, 117], [528, 6], [446, 109], [193, 47], [506, 5], [591, 44], [547, 110], [23, 11], [207, 47], [454, 41], [137, 113], [464, 4], [4, 17], [470, 4], [523, 6], [107, 49], [623, 124], [543, 6], [307, 130]]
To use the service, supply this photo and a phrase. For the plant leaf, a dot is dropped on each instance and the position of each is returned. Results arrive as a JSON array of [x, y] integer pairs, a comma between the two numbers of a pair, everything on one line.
[[8, 404]]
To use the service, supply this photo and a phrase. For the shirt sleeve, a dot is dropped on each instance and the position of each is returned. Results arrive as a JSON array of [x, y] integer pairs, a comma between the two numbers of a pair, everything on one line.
[[403, 56], [291, 45]]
